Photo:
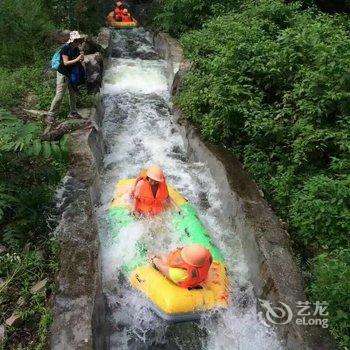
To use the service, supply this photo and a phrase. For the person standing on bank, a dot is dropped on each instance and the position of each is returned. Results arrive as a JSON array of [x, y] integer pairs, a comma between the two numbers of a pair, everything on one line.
[[71, 57]]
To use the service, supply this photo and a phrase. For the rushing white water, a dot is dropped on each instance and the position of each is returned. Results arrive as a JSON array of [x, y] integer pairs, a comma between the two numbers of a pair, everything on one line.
[[139, 130]]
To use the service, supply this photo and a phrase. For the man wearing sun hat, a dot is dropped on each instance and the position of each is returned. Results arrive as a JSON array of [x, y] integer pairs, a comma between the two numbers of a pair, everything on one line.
[[71, 56]]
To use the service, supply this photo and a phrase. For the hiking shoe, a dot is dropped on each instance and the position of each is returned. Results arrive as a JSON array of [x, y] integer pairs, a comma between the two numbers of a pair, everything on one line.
[[50, 119], [47, 130]]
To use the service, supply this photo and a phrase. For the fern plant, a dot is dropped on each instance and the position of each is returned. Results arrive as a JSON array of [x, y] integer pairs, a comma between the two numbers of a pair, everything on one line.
[[6, 199], [26, 162], [19, 136]]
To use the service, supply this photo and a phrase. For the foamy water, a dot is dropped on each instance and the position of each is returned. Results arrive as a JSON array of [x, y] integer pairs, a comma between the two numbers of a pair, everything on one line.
[[139, 130]]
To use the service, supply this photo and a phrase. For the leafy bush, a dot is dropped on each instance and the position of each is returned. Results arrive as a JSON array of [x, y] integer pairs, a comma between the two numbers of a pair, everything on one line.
[[29, 176], [271, 82], [321, 214], [30, 167], [332, 283], [22, 213], [24, 25], [85, 15], [179, 16], [23, 270], [28, 81], [16, 135], [23, 81]]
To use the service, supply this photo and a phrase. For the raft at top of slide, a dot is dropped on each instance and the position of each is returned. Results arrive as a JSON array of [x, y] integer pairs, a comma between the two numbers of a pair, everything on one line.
[[111, 22]]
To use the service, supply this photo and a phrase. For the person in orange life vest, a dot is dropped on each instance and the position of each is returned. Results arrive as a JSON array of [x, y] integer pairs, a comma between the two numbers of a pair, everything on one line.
[[118, 11], [126, 16], [187, 267], [150, 192]]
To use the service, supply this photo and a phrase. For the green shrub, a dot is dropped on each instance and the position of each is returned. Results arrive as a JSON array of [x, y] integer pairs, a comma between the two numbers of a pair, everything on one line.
[[179, 16], [321, 212], [16, 135], [332, 284], [23, 270], [22, 213], [84, 15], [24, 25], [271, 82], [24, 81], [17, 84]]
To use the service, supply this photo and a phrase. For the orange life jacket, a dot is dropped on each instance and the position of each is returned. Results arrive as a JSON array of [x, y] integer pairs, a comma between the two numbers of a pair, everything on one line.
[[146, 203], [195, 275], [126, 18], [118, 13]]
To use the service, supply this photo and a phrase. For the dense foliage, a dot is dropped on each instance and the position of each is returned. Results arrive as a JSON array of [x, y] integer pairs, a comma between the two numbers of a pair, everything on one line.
[[29, 172], [85, 15], [332, 282], [179, 16], [31, 168], [271, 81], [23, 27]]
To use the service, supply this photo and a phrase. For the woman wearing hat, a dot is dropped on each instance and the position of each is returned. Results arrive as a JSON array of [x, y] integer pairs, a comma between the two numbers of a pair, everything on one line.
[[70, 56]]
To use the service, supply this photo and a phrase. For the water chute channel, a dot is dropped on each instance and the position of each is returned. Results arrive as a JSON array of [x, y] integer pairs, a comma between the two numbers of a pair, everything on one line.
[[139, 130]]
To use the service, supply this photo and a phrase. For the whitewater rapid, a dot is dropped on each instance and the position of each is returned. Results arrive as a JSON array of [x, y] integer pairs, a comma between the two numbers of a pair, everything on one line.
[[139, 130]]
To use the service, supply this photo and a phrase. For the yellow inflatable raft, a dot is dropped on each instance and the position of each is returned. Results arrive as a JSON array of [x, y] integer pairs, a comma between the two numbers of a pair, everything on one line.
[[169, 301], [113, 23]]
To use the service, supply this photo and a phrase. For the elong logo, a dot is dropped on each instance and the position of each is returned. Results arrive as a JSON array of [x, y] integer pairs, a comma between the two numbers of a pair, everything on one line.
[[283, 314], [276, 315]]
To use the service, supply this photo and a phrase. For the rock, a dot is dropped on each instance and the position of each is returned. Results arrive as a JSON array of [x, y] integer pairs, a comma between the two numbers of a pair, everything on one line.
[[64, 128], [35, 112], [176, 86], [14, 320], [284, 225], [30, 100], [94, 71], [78, 310], [87, 113], [103, 38], [21, 301], [2, 335], [90, 46], [59, 37], [3, 249], [39, 287]]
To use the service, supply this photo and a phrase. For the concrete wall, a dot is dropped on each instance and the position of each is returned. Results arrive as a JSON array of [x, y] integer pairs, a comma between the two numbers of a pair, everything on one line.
[[79, 306]]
